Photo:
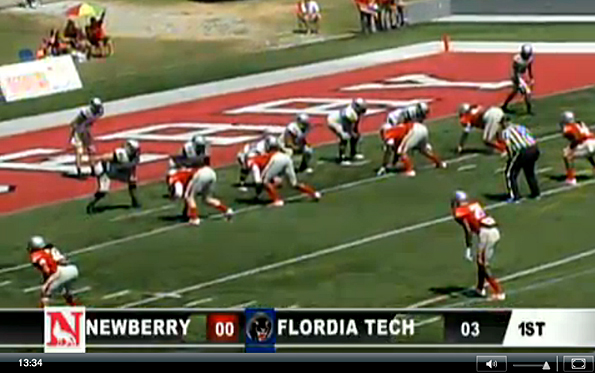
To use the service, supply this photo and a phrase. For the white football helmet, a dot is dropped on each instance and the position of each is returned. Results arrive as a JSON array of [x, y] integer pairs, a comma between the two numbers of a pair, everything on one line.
[[464, 108], [132, 146], [271, 143], [199, 140], [422, 110], [359, 105], [96, 105], [567, 117], [526, 51], [459, 198], [36, 242]]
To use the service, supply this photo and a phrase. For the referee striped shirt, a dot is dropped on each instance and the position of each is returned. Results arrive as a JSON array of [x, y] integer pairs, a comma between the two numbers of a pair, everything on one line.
[[517, 138]]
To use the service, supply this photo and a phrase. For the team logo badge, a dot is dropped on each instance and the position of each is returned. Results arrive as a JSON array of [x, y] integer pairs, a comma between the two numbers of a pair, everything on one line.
[[64, 330], [260, 327]]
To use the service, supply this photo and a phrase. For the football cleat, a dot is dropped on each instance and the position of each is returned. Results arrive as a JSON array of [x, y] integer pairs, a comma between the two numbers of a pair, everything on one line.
[[309, 170], [345, 163], [317, 196], [229, 214], [441, 165], [194, 221], [571, 181], [410, 173], [278, 203], [498, 296], [358, 157]]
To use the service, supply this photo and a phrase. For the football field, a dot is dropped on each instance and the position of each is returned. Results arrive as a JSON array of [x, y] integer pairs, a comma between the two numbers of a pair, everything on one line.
[[370, 242]]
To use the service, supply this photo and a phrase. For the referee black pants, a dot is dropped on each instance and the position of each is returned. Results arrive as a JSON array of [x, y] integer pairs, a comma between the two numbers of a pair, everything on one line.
[[524, 161]]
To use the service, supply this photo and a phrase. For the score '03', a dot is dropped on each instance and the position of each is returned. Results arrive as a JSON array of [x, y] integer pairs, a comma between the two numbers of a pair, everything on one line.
[[470, 329]]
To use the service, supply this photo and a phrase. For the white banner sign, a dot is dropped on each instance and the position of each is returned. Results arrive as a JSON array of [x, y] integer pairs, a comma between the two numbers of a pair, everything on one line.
[[39, 78]]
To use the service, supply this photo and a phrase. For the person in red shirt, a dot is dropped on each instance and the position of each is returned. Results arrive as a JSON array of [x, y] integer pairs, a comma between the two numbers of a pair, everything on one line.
[[488, 120], [58, 273], [582, 144], [475, 221]]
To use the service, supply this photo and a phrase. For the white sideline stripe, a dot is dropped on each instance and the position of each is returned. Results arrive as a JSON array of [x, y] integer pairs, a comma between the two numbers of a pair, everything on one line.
[[32, 288], [470, 18], [294, 306], [81, 290], [233, 85], [116, 294], [4, 283], [532, 286], [197, 302], [337, 248], [244, 305], [467, 167]]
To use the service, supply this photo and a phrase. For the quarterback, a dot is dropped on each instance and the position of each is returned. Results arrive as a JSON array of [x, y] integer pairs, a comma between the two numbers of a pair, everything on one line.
[[581, 144], [58, 273], [344, 124], [120, 165], [293, 141], [475, 221]]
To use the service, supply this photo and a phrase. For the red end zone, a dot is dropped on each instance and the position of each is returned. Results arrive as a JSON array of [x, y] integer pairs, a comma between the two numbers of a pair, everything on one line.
[[34, 162]]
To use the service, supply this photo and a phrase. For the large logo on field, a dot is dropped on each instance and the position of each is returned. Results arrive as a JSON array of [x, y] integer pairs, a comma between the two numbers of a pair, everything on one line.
[[218, 134], [319, 106], [425, 81], [52, 160]]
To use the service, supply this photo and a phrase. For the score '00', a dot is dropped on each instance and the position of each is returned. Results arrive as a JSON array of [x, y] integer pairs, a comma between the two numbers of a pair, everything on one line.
[[470, 329], [225, 329]]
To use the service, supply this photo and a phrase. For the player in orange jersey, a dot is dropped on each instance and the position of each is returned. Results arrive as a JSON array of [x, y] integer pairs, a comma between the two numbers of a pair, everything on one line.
[[269, 168], [582, 144], [404, 138], [474, 220], [487, 119], [58, 274]]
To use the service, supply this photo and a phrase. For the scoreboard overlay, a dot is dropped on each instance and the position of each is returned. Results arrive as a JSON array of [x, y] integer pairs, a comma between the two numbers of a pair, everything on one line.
[[76, 329]]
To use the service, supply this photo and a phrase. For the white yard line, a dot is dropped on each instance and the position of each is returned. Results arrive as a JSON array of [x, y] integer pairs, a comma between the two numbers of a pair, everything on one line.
[[197, 302], [4, 283], [116, 294], [467, 167], [294, 306], [543, 170], [32, 289], [244, 305], [338, 248], [81, 290]]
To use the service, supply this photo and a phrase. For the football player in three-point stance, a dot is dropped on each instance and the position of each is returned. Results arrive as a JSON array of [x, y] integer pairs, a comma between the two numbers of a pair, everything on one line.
[[344, 123], [58, 273], [474, 220], [522, 64], [293, 141], [250, 151], [120, 166], [80, 133], [268, 170], [410, 135], [487, 119], [582, 144], [194, 152]]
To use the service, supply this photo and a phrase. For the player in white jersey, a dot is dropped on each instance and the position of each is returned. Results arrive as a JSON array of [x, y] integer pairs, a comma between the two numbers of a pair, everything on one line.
[[194, 153], [120, 166], [249, 151], [293, 141], [522, 64], [80, 134], [344, 123]]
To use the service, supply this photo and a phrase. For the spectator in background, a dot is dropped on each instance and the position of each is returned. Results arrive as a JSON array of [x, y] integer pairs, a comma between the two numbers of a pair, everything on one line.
[[101, 44], [368, 12], [74, 36], [33, 3], [400, 7], [308, 14]]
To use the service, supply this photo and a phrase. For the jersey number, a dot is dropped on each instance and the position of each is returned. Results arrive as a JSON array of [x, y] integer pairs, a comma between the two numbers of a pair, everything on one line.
[[480, 215]]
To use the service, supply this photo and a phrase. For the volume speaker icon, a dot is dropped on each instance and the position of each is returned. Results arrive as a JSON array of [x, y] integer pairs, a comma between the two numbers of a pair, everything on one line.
[[491, 364]]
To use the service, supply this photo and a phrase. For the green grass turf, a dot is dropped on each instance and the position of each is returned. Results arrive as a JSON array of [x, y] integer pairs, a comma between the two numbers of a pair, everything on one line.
[[150, 65], [394, 271]]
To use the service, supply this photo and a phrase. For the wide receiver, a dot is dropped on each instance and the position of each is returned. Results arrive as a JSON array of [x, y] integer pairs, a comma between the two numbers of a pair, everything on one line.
[[293, 141], [186, 183], [400, 140], [474, 220], [120, 165], [487, 119], [58, 273], [582, 144], [522, 64], [269, 169], [80, 132], [345, 124]]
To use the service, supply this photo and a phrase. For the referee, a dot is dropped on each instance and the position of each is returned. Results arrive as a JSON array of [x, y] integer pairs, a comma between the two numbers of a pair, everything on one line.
[[523, 153]]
